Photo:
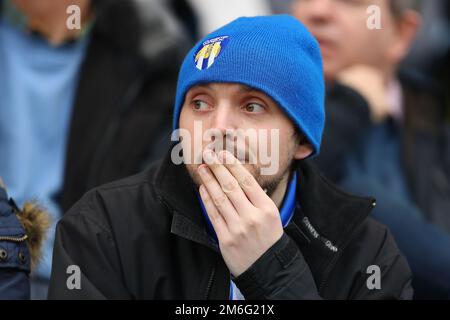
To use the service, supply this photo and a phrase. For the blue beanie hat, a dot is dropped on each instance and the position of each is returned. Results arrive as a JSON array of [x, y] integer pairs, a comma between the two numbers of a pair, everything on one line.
[[275, 55]]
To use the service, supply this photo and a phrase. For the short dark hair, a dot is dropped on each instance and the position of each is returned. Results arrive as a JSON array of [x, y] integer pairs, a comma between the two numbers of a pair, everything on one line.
[[399, 6]]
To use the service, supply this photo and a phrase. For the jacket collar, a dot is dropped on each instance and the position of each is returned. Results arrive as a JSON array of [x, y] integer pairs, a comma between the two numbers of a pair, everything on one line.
[[176, 190], [332, 212]]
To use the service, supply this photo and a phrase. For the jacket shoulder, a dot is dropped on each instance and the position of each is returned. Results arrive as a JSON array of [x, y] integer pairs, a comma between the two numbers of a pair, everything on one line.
[[378, 239], [375, 250], [112, 201]]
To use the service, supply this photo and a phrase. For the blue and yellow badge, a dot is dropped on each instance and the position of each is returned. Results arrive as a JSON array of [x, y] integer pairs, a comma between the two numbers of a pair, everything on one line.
[[210, 51]]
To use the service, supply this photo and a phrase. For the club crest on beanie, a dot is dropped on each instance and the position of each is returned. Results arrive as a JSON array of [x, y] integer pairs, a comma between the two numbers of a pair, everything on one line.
[[275, 55]]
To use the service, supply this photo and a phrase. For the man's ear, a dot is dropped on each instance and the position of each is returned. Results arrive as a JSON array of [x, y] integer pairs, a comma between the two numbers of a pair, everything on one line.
[[304, 150], [407, 27]]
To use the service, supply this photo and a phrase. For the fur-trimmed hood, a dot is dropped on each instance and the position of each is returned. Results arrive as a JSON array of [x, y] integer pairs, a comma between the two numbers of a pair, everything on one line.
[[31, 225], [36, 222]]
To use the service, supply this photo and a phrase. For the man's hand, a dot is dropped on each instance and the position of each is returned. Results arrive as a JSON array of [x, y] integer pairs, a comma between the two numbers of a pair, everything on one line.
[[369, 83], [246, 220]]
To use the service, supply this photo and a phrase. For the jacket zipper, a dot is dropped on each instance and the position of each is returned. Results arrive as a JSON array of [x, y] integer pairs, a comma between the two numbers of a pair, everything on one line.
[[213, 269], [210, 282], [14, 239], [328, 271]]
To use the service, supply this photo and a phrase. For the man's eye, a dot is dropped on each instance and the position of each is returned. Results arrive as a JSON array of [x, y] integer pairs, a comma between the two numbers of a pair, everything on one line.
[[200, 105], [354, 2], [254, 108]]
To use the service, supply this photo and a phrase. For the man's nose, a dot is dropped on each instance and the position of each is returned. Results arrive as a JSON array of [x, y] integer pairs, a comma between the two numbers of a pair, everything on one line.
[[224, 119], [320, 10]]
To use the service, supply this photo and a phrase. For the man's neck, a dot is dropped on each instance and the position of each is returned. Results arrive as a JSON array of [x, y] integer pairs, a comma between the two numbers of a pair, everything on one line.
[[279, 193]]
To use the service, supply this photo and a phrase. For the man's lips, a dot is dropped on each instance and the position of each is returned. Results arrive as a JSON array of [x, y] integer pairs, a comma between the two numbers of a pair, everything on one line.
[[242, 160], [326, 44], [240, 155]]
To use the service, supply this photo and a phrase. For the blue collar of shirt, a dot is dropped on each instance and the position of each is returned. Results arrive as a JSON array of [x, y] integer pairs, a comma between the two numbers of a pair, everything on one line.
[[286, 212]]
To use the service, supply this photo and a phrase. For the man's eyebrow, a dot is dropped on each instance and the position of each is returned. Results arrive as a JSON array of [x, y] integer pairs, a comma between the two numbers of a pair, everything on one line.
[[242, 87], [202, 85], [245, 88]]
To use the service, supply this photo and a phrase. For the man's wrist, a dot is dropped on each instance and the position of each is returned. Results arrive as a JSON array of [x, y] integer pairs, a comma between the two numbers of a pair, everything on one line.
[[255, 282]]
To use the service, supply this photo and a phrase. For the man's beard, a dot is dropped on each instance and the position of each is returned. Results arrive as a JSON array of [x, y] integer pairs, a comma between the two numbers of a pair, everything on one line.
[[248, 157], [269, 183]]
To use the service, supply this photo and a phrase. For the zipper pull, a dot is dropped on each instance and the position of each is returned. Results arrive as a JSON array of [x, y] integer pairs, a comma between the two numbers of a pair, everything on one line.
[[14, 238]]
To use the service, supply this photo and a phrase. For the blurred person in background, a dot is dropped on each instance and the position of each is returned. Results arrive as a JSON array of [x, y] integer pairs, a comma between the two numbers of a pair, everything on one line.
[[432, 44], [430, 53], [386, 133], [185, 13], [86, 106]]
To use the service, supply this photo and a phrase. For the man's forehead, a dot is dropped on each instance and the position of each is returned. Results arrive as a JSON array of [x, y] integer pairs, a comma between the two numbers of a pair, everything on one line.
[[215, 86]]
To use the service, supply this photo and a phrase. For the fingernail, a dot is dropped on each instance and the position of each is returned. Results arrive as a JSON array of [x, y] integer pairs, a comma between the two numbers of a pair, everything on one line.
[[221, 156], [208, 156], [203, 170]]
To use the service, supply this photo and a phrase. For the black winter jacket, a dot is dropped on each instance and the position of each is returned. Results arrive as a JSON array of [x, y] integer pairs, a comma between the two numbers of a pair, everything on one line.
[[144, 237]]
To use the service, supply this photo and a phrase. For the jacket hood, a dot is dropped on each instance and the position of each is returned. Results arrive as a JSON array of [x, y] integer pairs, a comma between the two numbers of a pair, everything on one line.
[[36, 222], [144, 28]]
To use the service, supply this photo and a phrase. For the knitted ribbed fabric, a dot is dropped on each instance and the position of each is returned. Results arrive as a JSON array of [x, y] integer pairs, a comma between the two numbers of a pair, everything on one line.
[[274, 54]]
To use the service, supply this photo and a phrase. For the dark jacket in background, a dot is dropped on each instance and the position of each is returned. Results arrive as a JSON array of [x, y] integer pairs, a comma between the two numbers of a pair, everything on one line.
[[124, 99], [347, 119], [424, 142], [420, 219], [426, 149], [144, 237]]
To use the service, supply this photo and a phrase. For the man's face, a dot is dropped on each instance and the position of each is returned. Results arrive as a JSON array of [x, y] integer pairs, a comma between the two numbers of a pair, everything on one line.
[[49, 18], [40, 9], [229, 111], [340, 26]]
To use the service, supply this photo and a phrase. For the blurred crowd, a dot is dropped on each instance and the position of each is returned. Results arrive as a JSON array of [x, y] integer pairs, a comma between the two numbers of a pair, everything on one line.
[[80, 108]]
